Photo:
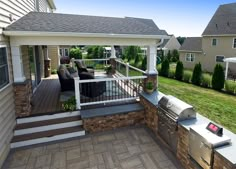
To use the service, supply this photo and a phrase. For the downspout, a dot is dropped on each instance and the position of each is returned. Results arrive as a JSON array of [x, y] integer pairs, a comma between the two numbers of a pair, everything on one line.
[[162, 40]]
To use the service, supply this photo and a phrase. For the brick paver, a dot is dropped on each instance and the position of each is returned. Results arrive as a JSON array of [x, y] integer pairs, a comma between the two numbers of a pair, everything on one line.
[[129, 148]]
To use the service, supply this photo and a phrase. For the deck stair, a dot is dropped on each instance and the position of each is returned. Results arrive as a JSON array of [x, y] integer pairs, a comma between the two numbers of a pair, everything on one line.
[[46, 128]]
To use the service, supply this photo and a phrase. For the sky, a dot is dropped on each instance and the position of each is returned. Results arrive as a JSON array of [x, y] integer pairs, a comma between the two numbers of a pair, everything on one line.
[[186, 18]]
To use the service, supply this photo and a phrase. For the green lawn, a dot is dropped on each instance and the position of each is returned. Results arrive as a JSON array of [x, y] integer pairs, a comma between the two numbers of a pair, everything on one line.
[[218, 107]]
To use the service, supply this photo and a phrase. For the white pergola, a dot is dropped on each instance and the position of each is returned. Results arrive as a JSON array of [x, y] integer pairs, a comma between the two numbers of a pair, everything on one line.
[[227, 61]]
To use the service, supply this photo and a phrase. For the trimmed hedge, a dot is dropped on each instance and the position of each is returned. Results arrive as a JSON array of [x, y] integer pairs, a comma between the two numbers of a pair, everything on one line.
[[179, 72], [218, 78], [197, 74]]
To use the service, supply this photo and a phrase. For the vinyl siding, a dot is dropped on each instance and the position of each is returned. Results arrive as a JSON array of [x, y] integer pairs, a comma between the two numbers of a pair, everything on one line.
[[16, 8], [7, 110], [54, 56], [223, 48], [43, 6], [190, 65]]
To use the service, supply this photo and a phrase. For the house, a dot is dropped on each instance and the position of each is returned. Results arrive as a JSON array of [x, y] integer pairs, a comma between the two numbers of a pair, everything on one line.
[[169, 45], [32, 41], [10, 12], [191, 52], [218, 41]]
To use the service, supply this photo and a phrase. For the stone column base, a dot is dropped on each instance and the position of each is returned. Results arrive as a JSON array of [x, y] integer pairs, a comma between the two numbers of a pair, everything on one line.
[[150, 78], [23, 95]]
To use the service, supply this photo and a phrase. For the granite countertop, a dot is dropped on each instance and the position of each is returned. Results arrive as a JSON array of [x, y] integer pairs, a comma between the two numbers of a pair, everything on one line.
[[228, 152]]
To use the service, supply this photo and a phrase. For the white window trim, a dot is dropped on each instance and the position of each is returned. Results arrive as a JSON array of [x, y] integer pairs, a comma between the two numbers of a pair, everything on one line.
[[193, 55], [219, 55], [216, 42], [65, 51], [9, 80], [233, 43]]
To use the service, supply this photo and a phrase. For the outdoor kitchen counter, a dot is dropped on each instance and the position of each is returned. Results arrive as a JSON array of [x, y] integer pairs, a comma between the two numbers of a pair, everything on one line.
[[229, 151], [153, 98]]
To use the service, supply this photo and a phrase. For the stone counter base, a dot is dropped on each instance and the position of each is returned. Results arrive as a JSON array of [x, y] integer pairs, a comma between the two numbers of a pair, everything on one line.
[[104, 123]]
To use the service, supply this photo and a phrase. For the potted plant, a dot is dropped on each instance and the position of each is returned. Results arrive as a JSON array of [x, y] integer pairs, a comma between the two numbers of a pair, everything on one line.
[[109, 69], [149, 87]]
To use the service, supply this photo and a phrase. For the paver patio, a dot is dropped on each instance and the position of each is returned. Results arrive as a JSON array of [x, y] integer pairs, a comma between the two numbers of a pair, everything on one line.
[[127, 148]]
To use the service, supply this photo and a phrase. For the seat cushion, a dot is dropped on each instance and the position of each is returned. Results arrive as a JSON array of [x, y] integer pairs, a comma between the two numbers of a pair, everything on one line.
[[86, 75]]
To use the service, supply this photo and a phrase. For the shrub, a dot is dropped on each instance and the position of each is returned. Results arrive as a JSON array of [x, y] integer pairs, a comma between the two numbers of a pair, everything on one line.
[[172, 73], [75, 53], [179, 70], [187, 76], [54, 71], [197, 74], [230, 86], [218, 78], [206, 80], [159, 68], [175, 55], [70, 104], [165, 68]]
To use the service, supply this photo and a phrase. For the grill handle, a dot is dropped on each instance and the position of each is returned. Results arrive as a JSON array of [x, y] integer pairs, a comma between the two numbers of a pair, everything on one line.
[[203, 160]]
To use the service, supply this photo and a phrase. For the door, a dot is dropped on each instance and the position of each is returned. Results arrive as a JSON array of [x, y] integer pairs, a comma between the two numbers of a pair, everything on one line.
[[37, 64]]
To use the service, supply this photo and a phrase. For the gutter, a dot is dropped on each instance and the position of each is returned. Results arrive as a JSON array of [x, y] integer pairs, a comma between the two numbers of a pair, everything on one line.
[[90, 35], [52, 4]]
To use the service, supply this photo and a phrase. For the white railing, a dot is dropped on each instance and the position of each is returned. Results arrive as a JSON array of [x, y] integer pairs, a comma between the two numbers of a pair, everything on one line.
[[94, 63], [107, 90], [128, 70]]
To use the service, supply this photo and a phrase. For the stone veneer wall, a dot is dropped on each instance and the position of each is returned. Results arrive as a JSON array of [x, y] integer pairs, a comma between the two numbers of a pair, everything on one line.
[[104, 123], [182, 148], [221, 163], [150, 117], [23, 94]]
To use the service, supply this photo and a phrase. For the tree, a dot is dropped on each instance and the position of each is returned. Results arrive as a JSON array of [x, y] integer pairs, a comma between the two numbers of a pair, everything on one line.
[[175, 55], [218, 78], [75, 53], [181, 39], [179, 72], [197, 74], [169, 56], [165, 68], [144, 63]]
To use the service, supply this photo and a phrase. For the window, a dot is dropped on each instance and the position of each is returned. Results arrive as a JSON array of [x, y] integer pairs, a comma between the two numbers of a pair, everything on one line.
[[4, 78], [234, 43], [61, 51], [64, 51], [190, 57], [220, 58], [214, 42]]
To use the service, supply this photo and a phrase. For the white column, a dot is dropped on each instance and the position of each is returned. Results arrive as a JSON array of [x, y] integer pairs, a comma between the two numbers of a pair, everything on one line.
[[77, 92], [113, 52], [18, 71], [226, 70], [151, 59], [45, 53]]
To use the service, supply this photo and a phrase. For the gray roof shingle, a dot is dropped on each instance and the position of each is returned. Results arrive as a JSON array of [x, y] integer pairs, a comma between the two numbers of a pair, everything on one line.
[[54, 22], [192, 44], [223, 21]]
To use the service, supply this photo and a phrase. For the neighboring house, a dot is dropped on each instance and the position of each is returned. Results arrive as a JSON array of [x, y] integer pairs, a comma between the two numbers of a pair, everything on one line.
[[218, 40], [11, 11], [191, 52], [169, 45]]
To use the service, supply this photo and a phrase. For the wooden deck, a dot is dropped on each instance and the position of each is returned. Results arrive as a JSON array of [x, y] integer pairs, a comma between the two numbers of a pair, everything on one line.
[[46, 97]]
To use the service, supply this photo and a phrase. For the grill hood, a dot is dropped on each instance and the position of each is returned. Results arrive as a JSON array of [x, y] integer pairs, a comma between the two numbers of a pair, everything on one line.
[[176, 109]]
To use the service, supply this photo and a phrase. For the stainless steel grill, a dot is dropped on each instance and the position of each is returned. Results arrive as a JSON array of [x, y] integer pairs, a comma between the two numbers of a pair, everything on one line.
[[172, 110], [202, 143]]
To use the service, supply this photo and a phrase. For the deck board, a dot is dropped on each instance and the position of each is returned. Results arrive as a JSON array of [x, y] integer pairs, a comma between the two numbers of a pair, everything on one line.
[[46, 97]]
